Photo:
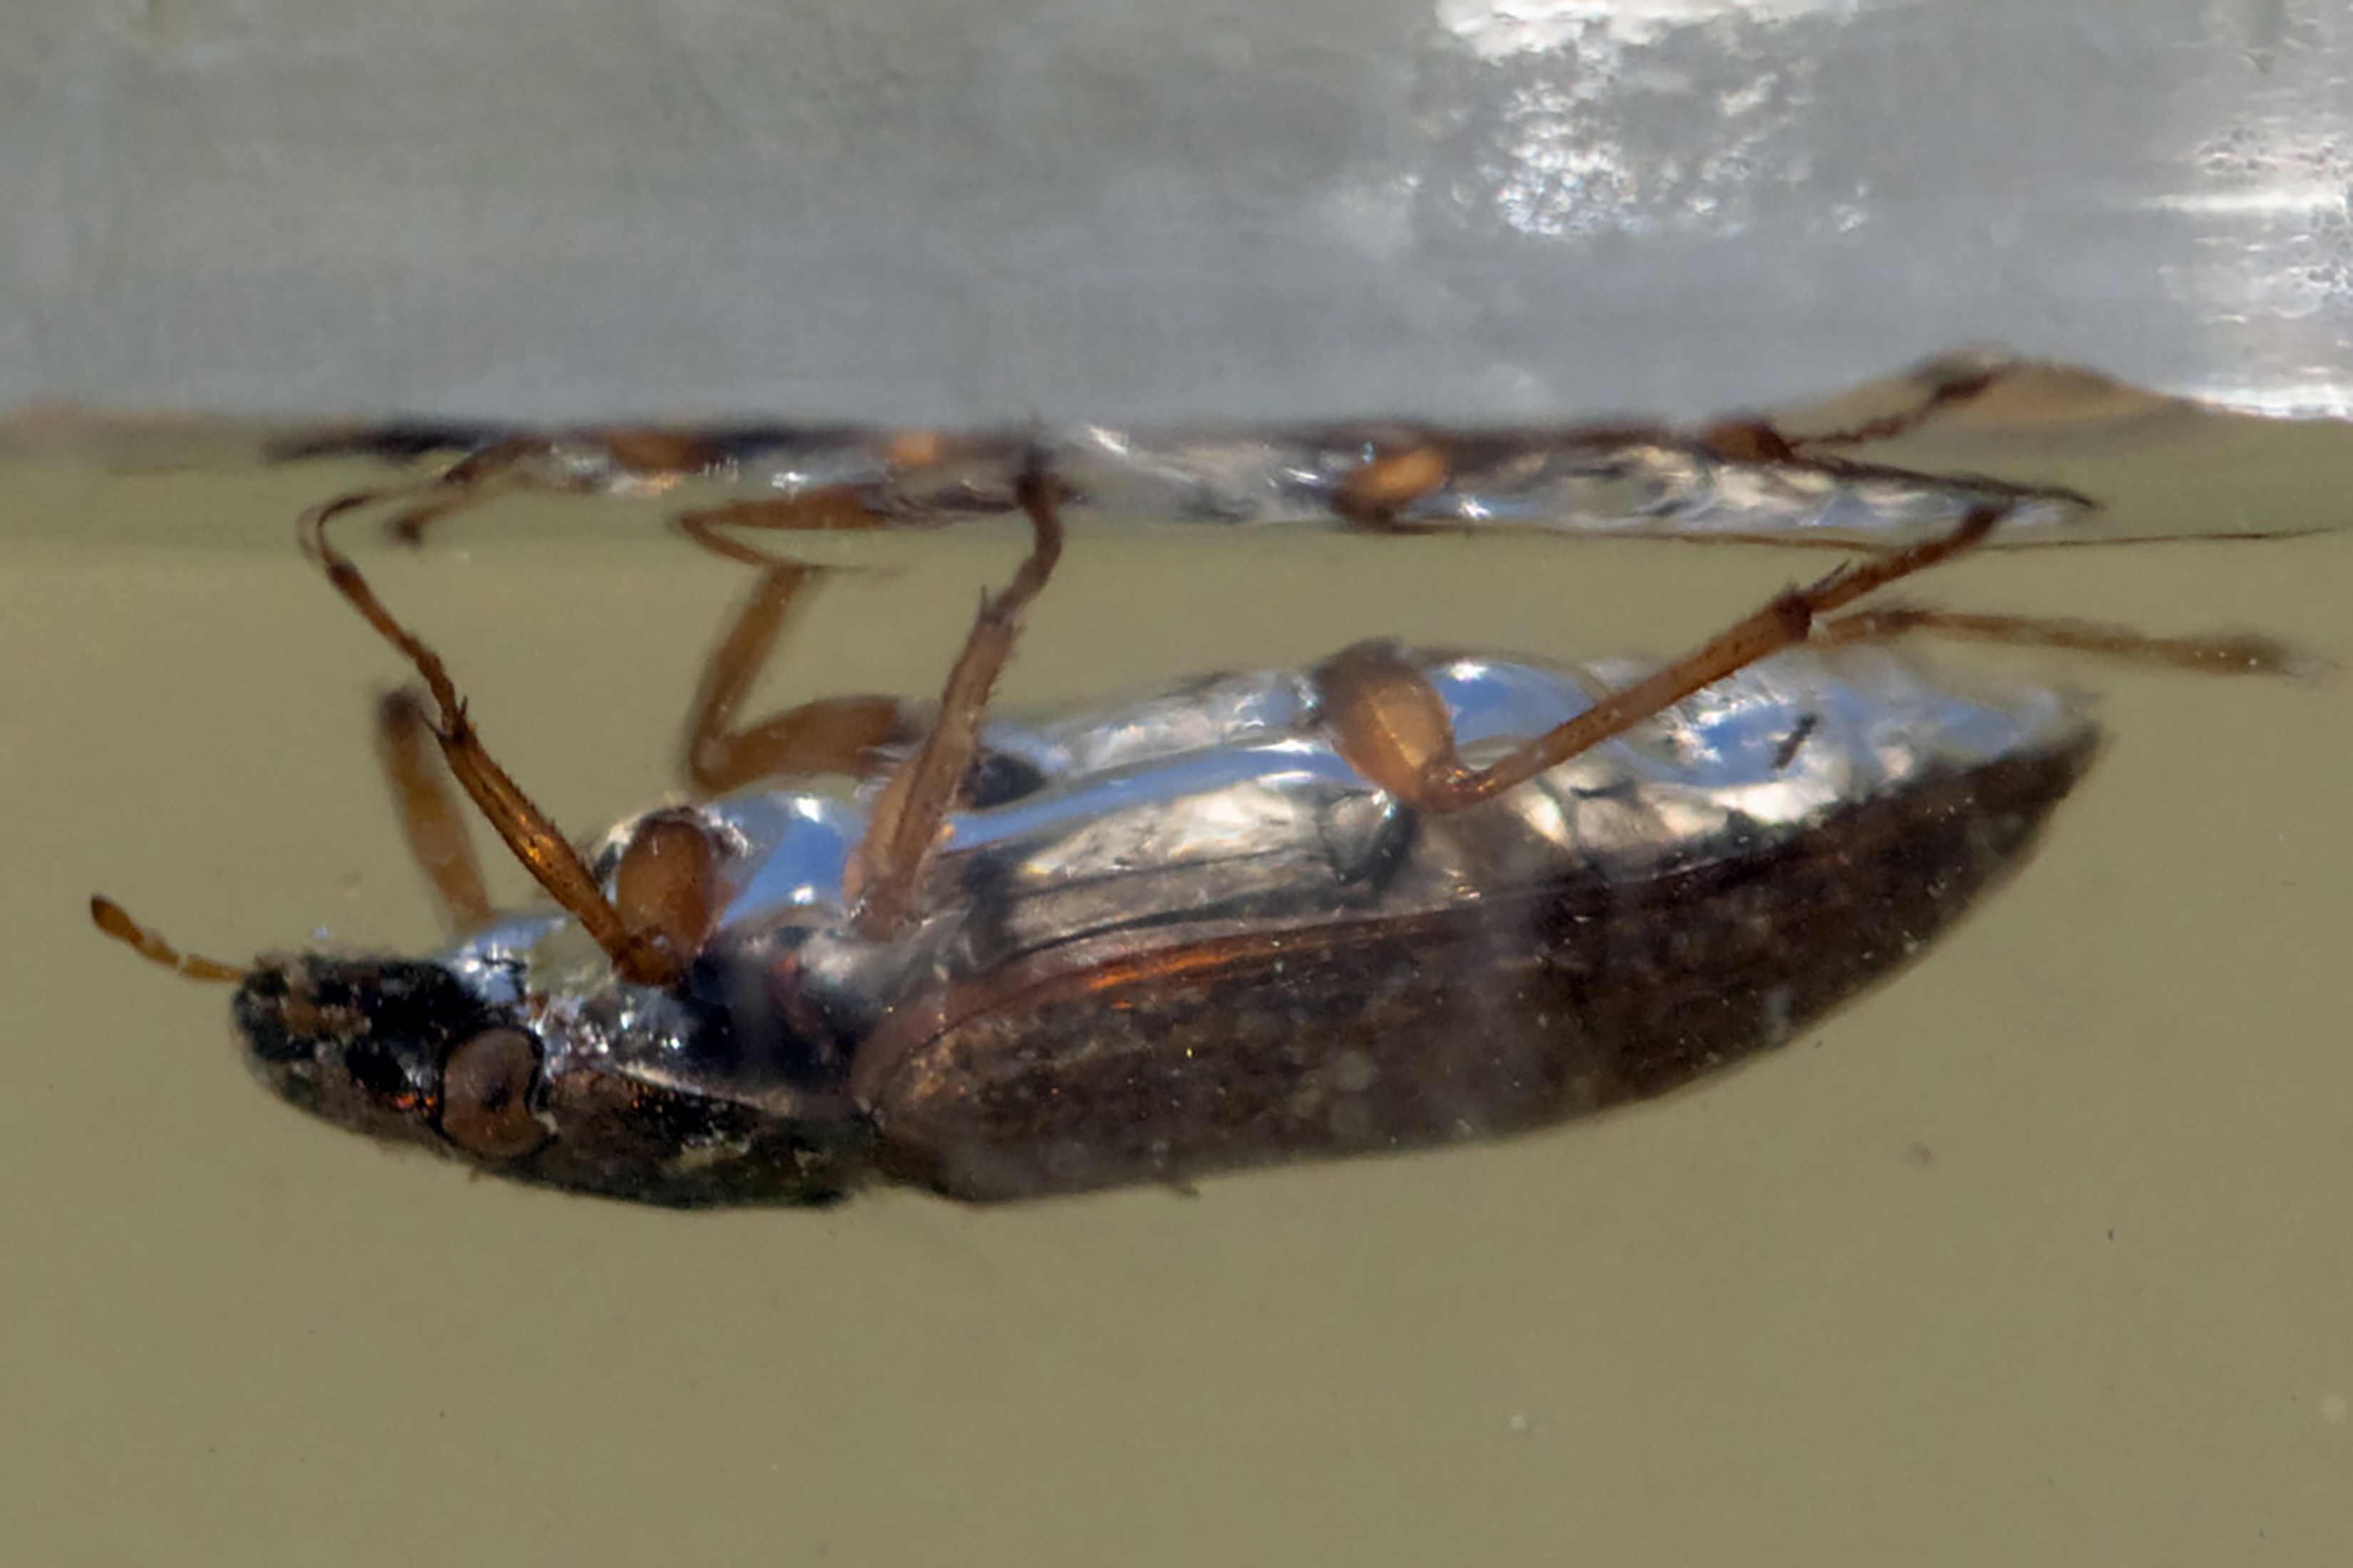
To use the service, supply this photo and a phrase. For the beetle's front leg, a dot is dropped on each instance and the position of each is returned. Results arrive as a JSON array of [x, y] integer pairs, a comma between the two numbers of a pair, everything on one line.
[[649, 933]]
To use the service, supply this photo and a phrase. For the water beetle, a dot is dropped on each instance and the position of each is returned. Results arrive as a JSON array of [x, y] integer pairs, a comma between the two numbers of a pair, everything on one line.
[[1404, 897]]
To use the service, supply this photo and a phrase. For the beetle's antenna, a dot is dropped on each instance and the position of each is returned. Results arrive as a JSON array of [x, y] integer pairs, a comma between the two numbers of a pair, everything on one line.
[[148, 943]]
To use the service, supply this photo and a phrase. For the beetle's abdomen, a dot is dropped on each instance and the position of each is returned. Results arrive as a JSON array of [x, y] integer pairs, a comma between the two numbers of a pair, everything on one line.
[[1210, 1050]]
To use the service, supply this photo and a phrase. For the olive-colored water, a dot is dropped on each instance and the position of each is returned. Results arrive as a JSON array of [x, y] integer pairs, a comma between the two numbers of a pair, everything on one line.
[[2039, 1255]]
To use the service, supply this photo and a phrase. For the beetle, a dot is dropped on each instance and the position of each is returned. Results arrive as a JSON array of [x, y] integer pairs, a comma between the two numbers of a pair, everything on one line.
[[1404, 897]]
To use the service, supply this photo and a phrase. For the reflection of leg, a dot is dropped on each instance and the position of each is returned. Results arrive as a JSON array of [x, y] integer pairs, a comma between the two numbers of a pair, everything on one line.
[[463, 485], [1759, 440], [1391, 725], [1375, 495], [616, 459]]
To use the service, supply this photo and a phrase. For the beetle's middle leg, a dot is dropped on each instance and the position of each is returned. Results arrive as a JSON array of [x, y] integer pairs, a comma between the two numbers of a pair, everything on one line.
[[912, 810], [850, 735]]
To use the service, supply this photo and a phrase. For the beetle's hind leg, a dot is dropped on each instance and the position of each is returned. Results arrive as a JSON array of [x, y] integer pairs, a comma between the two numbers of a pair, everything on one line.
[[2224, 653], [1391, 724]]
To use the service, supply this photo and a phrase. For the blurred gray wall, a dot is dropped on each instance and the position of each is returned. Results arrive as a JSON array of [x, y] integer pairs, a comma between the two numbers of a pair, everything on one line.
[[923, 209]]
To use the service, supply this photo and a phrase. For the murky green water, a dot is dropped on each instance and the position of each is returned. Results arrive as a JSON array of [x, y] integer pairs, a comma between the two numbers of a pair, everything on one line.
[[2039, 1255]]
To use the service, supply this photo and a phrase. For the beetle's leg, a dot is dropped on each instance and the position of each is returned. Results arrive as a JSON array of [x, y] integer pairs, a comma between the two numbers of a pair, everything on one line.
[[1760, 440], [831, 735], [641, 952], [1374, 495], [845, 735], [909, 813], [461, 485], [428, 820], [1391, 724], [621, 458], [428, 815], [666, 883], [2220, 653]]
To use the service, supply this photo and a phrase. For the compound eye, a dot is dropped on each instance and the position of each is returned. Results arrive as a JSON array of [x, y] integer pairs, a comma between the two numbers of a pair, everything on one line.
[[486, 1095]]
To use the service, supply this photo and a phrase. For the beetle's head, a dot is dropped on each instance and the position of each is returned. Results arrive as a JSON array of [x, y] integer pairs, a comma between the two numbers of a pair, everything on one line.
[[604, 1097]]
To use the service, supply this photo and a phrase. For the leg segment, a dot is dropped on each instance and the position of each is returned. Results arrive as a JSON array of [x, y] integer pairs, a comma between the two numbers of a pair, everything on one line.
[[1372, 496], [428, 816], [833, 735], [913, 807], [2223, 654], [666, 884], [1391, 726], [641, 460], [1759, 440], [638, 952]]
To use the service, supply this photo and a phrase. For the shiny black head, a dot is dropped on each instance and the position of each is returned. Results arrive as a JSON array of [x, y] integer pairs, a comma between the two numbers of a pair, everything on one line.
[[405, 1051]]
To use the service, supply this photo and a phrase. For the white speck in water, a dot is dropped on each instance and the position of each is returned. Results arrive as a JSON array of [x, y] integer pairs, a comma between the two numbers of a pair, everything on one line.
[[2332, 1408]]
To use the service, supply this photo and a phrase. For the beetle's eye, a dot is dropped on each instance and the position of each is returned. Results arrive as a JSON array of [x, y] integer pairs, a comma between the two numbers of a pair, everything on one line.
[[485, 1095]]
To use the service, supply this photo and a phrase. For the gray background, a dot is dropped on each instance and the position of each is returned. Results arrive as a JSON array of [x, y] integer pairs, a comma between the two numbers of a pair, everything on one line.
[[927, 210]]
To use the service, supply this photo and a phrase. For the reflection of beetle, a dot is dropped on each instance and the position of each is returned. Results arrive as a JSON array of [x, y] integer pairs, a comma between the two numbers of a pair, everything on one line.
[[1396, 900]]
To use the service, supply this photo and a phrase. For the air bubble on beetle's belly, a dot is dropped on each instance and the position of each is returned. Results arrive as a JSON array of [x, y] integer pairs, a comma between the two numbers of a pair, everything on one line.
[[1353, 1072], [703, 1153], [1775, 1014], [1351, 1121]]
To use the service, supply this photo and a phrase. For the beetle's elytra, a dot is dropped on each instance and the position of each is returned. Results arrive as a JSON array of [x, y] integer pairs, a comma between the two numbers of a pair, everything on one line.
[[1400, 899]]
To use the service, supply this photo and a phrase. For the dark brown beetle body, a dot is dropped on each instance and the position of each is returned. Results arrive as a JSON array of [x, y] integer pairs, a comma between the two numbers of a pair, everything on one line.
[[1518, 1013]]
